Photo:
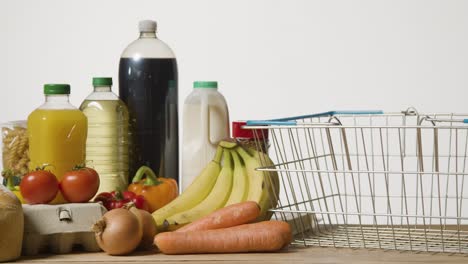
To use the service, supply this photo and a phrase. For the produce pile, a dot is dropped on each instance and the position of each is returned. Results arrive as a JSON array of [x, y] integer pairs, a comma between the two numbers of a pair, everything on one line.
[[41, 186], [232, 234], [218, 186], [224, 210]]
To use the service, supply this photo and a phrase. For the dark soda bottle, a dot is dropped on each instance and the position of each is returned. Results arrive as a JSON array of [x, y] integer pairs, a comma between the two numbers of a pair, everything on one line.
[[148, 85]]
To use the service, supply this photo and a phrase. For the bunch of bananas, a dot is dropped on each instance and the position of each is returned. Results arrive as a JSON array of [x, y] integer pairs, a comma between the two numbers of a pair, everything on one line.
[[217, 186]]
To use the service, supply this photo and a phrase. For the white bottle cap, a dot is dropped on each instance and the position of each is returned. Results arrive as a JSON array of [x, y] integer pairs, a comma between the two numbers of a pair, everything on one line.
[[147, 26]]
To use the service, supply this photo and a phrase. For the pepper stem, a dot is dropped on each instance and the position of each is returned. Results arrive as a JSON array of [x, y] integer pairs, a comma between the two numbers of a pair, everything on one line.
[[119, 194], [151, 178]]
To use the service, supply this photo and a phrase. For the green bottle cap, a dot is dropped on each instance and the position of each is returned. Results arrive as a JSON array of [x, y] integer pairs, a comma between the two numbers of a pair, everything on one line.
[[205, 84], [102, 81], [53, 88]]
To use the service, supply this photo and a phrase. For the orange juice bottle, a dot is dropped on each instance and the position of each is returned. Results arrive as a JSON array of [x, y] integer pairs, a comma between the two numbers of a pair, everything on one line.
[[57, 134]]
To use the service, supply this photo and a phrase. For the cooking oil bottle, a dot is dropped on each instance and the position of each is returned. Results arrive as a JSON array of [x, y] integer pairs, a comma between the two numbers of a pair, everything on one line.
[[107, 142]]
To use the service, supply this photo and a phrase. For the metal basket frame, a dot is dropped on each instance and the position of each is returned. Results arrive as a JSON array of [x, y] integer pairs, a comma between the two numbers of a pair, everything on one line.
[[371, 179]]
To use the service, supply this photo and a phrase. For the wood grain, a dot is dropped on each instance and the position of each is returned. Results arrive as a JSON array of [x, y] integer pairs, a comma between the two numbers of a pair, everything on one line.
[[291, 255]]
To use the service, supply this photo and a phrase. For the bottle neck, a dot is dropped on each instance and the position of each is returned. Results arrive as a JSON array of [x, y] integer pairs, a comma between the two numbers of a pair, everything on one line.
[[102, 89], [206, 90], [57, 98], [57, 102], [147, 34]]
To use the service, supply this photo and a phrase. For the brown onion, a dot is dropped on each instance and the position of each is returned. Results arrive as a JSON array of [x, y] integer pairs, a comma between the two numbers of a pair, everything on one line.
[[118, 232], [148, 227]]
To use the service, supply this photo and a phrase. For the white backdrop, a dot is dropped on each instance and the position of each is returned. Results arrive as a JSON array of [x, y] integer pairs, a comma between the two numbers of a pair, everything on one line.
[[272, 58]]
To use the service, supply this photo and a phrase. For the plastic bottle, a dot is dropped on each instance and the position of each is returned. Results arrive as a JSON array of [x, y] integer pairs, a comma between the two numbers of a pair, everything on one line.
[[57, 133], [107, 142], [205, 123], [148, 86]]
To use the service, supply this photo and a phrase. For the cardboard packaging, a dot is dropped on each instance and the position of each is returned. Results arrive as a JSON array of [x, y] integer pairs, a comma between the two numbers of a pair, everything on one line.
[[60, 228]]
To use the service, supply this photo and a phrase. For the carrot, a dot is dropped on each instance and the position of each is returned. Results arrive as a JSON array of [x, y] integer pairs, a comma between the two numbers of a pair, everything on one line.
[[232, 215], [282, 227], [264, 236]]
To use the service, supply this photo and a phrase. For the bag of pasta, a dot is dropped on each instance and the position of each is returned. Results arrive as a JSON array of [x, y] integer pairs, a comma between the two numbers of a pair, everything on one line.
[[15, 147]]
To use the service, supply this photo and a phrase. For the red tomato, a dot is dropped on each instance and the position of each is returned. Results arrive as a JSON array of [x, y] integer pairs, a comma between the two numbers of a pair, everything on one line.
[[39, 187], [91, 170], [79, 185]]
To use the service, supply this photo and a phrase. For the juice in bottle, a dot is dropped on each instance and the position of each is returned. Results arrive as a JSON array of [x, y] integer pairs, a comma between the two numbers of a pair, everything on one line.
[[57, 133]]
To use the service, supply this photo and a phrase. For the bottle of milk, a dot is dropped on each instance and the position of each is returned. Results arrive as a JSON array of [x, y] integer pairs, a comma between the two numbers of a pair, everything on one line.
[[205, 123]]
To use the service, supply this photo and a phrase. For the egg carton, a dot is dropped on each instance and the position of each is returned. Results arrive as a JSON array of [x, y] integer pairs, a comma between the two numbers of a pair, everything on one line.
[[59, 229]]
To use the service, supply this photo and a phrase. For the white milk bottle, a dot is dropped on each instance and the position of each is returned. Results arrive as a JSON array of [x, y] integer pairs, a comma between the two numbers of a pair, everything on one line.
[[205, 123]]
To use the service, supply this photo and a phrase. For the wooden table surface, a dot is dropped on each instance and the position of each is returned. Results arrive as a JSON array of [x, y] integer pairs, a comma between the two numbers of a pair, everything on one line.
[[291, 255]]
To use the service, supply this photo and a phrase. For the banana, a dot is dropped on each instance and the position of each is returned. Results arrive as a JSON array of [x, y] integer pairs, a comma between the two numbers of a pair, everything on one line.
[[263, 185], [240, 182], [215, 200], [195, 193], [271, 200]]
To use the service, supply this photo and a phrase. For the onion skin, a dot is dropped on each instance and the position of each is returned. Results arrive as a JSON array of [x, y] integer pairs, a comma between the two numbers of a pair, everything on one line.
[[118, 232], [148, 227]]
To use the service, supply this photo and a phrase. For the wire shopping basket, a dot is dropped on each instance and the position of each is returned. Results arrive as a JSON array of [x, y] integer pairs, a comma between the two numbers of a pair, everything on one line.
[[372, 179]]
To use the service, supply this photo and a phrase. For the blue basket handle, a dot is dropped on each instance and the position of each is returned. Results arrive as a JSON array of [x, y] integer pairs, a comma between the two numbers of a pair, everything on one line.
[[465, 121], [291, 121]]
